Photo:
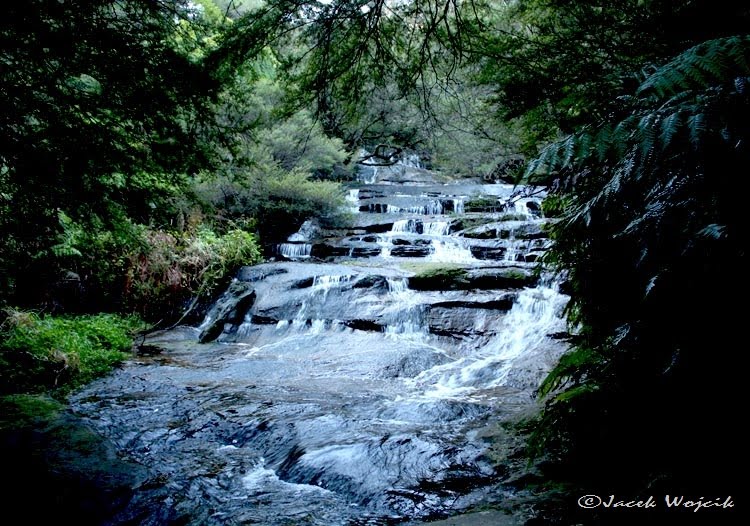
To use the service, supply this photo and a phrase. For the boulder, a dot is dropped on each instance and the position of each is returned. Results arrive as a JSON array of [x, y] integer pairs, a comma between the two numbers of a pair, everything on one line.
[[230, 308]]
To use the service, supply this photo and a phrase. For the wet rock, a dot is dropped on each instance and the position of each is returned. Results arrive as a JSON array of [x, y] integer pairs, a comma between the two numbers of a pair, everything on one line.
[[371, 282], [461, 321], [414, 362], [488, 253], [534, 207], [309, 230], [263, 320], [328, 250], [59, 471], [364, 252], [482, 233], [303, 283], [440, 278], [530, 231], [500, 278], [504, 303], [411, 251], [230, 308], [364, 325], [258, 273]]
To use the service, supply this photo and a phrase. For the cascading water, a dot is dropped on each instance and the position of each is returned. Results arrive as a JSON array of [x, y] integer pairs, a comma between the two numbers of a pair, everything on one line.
[[433, 207], [348, 392], [436, 228], [524, 334], [295, 250], [450, 252], [352, 197]]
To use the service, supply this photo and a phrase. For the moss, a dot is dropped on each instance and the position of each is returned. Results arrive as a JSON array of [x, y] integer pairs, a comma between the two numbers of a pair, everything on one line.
[[20, 410], [513, 274], [483, 204], [512, 217], [443, 277]]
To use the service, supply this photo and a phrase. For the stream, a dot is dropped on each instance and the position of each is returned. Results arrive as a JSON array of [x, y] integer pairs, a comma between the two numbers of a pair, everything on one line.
[[354, 380]]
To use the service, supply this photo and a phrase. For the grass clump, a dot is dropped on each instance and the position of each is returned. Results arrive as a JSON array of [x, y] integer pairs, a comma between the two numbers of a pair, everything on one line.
[[58, 353]]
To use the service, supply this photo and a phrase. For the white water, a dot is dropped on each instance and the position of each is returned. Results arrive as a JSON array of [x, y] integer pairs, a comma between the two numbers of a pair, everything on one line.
[[295, 250], [450, 252], [458, 205], [405, 226], [385, 246], [522, 338], [321, 287], [432, 208], [407, 316], [436, 228], [352, 197]]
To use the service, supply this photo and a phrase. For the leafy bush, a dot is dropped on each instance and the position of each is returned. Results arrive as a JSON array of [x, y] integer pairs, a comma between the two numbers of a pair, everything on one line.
[[279, 200], [59, 352], [171, 269]]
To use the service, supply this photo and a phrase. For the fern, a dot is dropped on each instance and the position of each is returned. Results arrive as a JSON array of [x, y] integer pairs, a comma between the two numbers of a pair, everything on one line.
[[697, 128], [651, 215], [712, 62], [670, 125]]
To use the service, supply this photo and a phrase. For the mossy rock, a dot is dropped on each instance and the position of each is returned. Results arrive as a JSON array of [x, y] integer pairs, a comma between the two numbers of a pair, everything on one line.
[[493, 278], [440, 278], [61, 470]]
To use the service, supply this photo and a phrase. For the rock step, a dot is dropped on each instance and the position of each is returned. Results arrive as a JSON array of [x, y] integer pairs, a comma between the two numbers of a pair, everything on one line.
[[263, 296]]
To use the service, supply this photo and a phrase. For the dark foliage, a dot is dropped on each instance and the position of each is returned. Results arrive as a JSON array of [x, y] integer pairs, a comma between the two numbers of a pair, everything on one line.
[[653, 236], [98, 123]]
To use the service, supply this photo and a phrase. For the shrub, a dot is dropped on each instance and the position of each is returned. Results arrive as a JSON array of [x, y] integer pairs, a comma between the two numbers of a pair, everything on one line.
[[171, 269], [59, 352]]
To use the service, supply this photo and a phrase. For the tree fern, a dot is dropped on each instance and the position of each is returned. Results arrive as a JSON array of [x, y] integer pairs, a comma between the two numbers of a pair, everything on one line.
[[712, 62], [650, 229], [670, 125]]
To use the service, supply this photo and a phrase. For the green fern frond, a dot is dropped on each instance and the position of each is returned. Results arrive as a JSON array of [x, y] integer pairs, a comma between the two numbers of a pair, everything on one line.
[[568, 148], [603, 141], [670, 125], [696, 128], [62, 251], [647, 131], [583, 147], [713, 62]]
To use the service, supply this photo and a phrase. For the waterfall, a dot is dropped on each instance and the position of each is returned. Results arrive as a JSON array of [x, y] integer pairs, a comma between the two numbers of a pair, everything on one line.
[[432, 208], [436, 228], [524, 336], [326, 283], [329, 392], [450, 252], [352, 197], [295, 250], [403, 226], [407, 318], [385, 246], [397, 285], [309, 313]]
